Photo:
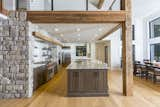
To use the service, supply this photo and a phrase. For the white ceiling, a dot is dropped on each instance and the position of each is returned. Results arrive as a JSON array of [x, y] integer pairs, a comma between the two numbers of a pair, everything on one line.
[[77, 32], [90, 32], [142, 8]]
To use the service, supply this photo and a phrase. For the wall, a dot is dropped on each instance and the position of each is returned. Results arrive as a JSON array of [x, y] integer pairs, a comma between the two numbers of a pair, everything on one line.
[[100, 52], [14, 56], [143, 41], [90, 50], [147, 40], [115, 49], [139, 39]]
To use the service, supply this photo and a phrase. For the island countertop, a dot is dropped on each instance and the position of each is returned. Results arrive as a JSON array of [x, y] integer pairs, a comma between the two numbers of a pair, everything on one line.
[[87, 64]]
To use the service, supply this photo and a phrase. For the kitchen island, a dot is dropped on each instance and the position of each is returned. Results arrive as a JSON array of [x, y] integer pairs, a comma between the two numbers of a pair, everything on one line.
[[87, 78]]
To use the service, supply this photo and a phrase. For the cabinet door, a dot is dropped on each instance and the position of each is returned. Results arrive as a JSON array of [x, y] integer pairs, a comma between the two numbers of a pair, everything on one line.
[[88, 81], [73, 81], [102, 81]]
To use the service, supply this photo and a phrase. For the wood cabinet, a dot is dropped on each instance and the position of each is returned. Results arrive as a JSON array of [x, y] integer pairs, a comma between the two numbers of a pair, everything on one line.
[[39, 77], [87, 82], [43, 74]]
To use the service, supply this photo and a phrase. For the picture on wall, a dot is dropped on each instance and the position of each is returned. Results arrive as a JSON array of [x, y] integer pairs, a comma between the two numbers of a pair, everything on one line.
[[81, 51]]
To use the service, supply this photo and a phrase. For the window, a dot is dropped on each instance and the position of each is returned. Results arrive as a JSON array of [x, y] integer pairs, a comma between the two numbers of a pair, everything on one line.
[[133, 32], [154, 28], [133, 52], [81, 51], [155, 52]]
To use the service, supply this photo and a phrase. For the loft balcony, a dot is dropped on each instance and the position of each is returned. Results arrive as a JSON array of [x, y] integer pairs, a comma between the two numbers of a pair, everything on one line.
[[65, 11], [62, 5]]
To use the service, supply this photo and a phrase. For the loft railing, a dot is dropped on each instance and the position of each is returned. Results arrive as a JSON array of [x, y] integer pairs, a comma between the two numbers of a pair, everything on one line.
[[62, 5]]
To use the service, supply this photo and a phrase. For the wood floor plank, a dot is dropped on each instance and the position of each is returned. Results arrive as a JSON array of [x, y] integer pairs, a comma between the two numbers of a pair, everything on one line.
[[53, 94]]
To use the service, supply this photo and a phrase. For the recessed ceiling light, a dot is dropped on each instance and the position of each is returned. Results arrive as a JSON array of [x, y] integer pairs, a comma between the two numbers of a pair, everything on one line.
[[79, 35], [56, 29], [100, 29], [78, 29], [61, 35], [96, 35]]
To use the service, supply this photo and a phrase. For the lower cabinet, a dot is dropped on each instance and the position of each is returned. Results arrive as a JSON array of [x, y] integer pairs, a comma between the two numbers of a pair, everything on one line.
[[87, 83], [42, 74]]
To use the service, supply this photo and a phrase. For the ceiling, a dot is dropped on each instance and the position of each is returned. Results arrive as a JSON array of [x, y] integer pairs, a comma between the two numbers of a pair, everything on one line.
[[142, 8], [70, 33], [90, 32]]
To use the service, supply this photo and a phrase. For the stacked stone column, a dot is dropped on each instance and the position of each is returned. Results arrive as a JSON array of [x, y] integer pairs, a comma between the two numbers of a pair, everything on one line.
[[14, 56]]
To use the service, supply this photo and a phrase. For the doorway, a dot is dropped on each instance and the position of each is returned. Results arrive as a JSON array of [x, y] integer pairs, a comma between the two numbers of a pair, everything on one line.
[[107, 54]]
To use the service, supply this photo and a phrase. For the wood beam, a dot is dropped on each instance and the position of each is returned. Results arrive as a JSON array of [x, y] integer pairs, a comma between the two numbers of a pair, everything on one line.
[[127, 51], [110, 32], [5, 12], [1, 5], [45, 38], [76, 16], [100, 4], [2, 9]]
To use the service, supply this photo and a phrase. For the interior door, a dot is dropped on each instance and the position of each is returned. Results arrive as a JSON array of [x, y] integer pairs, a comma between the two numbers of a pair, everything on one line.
[[106, 54]]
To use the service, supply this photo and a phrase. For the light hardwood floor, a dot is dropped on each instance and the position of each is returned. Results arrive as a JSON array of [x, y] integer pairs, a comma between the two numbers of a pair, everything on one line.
[[53, 94]]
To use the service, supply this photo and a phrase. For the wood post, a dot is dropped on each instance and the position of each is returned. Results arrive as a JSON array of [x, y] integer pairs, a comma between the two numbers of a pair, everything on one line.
[[1, 5], [127, 51]]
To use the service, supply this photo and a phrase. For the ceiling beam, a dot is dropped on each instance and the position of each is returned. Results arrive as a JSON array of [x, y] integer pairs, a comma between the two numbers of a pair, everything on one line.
[[100, 4], [47, 39], [2, 9], [110, 32], [76, 16], [5, 12]]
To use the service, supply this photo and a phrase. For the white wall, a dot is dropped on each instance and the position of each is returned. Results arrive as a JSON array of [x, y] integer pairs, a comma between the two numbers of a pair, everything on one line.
[[146, 35], [139, 39], [115, 49], [89, 51]]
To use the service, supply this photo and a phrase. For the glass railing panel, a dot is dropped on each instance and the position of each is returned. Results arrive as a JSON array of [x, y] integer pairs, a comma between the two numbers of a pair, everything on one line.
[[62, 5], [9, 4], [69, 5], [40, 5], [113, 5]]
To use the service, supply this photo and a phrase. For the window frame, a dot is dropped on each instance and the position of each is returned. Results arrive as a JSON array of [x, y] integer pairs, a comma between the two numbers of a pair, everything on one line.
[[151, 50], [150, 31]]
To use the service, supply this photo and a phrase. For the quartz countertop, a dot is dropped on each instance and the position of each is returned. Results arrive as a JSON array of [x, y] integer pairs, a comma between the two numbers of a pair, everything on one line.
[[87, 64]]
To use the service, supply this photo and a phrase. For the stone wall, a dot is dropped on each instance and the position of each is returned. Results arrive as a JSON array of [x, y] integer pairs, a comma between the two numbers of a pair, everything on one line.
[[14, 56]]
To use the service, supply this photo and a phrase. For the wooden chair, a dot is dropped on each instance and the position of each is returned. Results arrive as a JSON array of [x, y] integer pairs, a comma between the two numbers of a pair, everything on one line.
[[144, 71], [156, 75], [137, 69], [150, 73]]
